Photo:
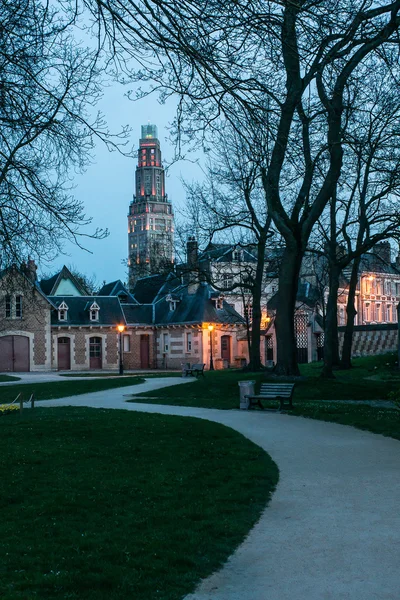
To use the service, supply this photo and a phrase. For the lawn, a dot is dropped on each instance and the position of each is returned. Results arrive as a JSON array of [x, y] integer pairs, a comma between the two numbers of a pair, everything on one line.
[[111, 505], [219, 389], [372, 378], [60, 389], [9, 378]]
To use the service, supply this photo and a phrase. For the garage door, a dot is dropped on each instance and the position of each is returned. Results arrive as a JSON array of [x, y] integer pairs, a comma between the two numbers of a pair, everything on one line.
[[14, 353]]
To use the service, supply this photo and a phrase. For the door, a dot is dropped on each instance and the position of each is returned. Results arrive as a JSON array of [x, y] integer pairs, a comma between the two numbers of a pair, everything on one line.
[[64, 353], [14, 353], [95, 361], [226, 348], [144, 352]]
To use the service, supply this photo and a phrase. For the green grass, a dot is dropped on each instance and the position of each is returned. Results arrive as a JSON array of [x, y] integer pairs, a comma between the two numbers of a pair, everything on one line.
[[219, 389], [60, 389], [377, 420], [113, 505], [9, 378]]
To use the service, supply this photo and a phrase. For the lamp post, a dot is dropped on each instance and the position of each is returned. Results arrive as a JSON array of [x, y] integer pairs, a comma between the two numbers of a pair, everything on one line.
[[210, 329], [121, 329]]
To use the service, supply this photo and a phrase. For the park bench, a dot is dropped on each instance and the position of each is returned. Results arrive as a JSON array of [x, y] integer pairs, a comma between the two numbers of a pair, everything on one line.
[[273, 391], [195, 370]]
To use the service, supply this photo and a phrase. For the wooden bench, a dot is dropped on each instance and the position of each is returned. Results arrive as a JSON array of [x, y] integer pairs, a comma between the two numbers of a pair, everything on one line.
[[195, 370], [274, 391]]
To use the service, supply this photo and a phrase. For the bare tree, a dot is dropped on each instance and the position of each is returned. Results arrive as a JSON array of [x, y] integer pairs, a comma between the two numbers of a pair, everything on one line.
[[288, 68], [49, 85], [231, 206]]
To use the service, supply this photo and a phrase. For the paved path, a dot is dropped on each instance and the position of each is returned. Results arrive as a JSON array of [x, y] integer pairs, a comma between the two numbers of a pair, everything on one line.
[[332, 529], [46, 376]]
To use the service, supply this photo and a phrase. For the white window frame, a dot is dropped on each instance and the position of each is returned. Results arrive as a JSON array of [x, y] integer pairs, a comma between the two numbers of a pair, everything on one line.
[[188, 341], [63, 311], [126, 342], [378, 312], [94, 312], [367, 312], [389, 313], [165, 343]]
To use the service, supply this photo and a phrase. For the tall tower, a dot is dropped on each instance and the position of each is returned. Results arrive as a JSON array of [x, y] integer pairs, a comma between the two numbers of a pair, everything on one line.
[[150, 217]]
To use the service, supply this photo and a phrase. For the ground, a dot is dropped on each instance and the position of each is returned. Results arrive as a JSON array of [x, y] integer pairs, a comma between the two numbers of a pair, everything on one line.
[[326, 511]]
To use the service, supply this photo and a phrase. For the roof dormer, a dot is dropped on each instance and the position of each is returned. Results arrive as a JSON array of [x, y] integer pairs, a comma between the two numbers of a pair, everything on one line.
[[173, 301], [94, 311], [63, 311]]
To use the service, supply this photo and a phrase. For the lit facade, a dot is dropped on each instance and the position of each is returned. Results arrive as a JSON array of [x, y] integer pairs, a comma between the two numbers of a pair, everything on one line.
[[150, 217]]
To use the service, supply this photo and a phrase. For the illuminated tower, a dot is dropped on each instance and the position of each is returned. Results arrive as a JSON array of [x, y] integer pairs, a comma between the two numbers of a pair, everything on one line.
[[150, 217]]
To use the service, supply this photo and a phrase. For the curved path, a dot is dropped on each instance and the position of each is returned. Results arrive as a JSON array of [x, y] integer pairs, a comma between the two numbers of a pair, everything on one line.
[[332, 528]]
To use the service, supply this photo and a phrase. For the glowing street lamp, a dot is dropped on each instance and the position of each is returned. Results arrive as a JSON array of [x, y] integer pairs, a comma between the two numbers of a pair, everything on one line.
[[121, 329], [210, 329]]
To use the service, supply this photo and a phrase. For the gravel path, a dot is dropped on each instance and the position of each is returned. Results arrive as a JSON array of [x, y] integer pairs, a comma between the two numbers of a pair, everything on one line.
[[332, 529]]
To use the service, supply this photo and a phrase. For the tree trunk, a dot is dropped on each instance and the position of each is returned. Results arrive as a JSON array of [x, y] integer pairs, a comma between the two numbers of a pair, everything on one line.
[[331, 343], [284, 320], [255, 358], [351, 313]]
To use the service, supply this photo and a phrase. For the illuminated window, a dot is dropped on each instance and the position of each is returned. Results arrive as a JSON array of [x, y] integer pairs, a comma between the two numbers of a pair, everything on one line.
[[367, 311], [378, 313]]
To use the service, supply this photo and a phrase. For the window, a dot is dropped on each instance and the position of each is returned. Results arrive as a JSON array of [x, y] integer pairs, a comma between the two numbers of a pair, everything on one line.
[[237, 255], [227, 281], [95, 347], [378, 287], [397, 289], [8, 306], [388, 313], [165, 342], [94, 311], [63, 311], [188, 342], [127, 343], [378, 313], [367, 311]]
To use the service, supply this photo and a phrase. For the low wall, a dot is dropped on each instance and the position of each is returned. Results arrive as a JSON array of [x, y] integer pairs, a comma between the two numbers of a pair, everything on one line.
[[372, 339]]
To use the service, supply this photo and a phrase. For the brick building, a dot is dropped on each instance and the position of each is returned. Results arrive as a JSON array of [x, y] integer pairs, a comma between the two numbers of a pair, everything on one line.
[[57, 325]]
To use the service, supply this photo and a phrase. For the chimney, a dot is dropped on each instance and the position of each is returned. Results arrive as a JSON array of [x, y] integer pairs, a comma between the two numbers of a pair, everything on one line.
[[31, 269], [192, 253], [192, 265], [383, 250]]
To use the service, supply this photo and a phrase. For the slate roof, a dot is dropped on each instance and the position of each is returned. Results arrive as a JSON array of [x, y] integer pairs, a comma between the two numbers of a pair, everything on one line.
[[147, 288], [110, 312], [116, 288], [49, 286], [306, 294], [224, 253], [138, 314], [195, 308]]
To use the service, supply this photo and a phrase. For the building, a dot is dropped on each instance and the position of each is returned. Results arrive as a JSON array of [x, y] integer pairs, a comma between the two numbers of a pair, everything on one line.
[[150, 217], [55, 325]]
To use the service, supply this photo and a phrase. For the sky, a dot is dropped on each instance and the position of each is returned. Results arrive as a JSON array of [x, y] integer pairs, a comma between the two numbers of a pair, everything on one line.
[[107, 186]]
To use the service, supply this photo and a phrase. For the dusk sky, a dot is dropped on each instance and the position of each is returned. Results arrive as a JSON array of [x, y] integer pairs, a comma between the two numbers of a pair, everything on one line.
[[106, 188]]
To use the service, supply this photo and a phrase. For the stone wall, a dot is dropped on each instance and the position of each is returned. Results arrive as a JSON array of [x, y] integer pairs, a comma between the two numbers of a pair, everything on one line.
[[372, 339], [34, 322]]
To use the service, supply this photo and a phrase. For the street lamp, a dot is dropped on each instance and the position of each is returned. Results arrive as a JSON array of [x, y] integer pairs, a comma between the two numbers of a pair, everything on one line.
[[210, 329], [121, 329]]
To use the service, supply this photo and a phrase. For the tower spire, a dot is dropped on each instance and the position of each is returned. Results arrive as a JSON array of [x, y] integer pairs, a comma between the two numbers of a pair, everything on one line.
[[150, 217]]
